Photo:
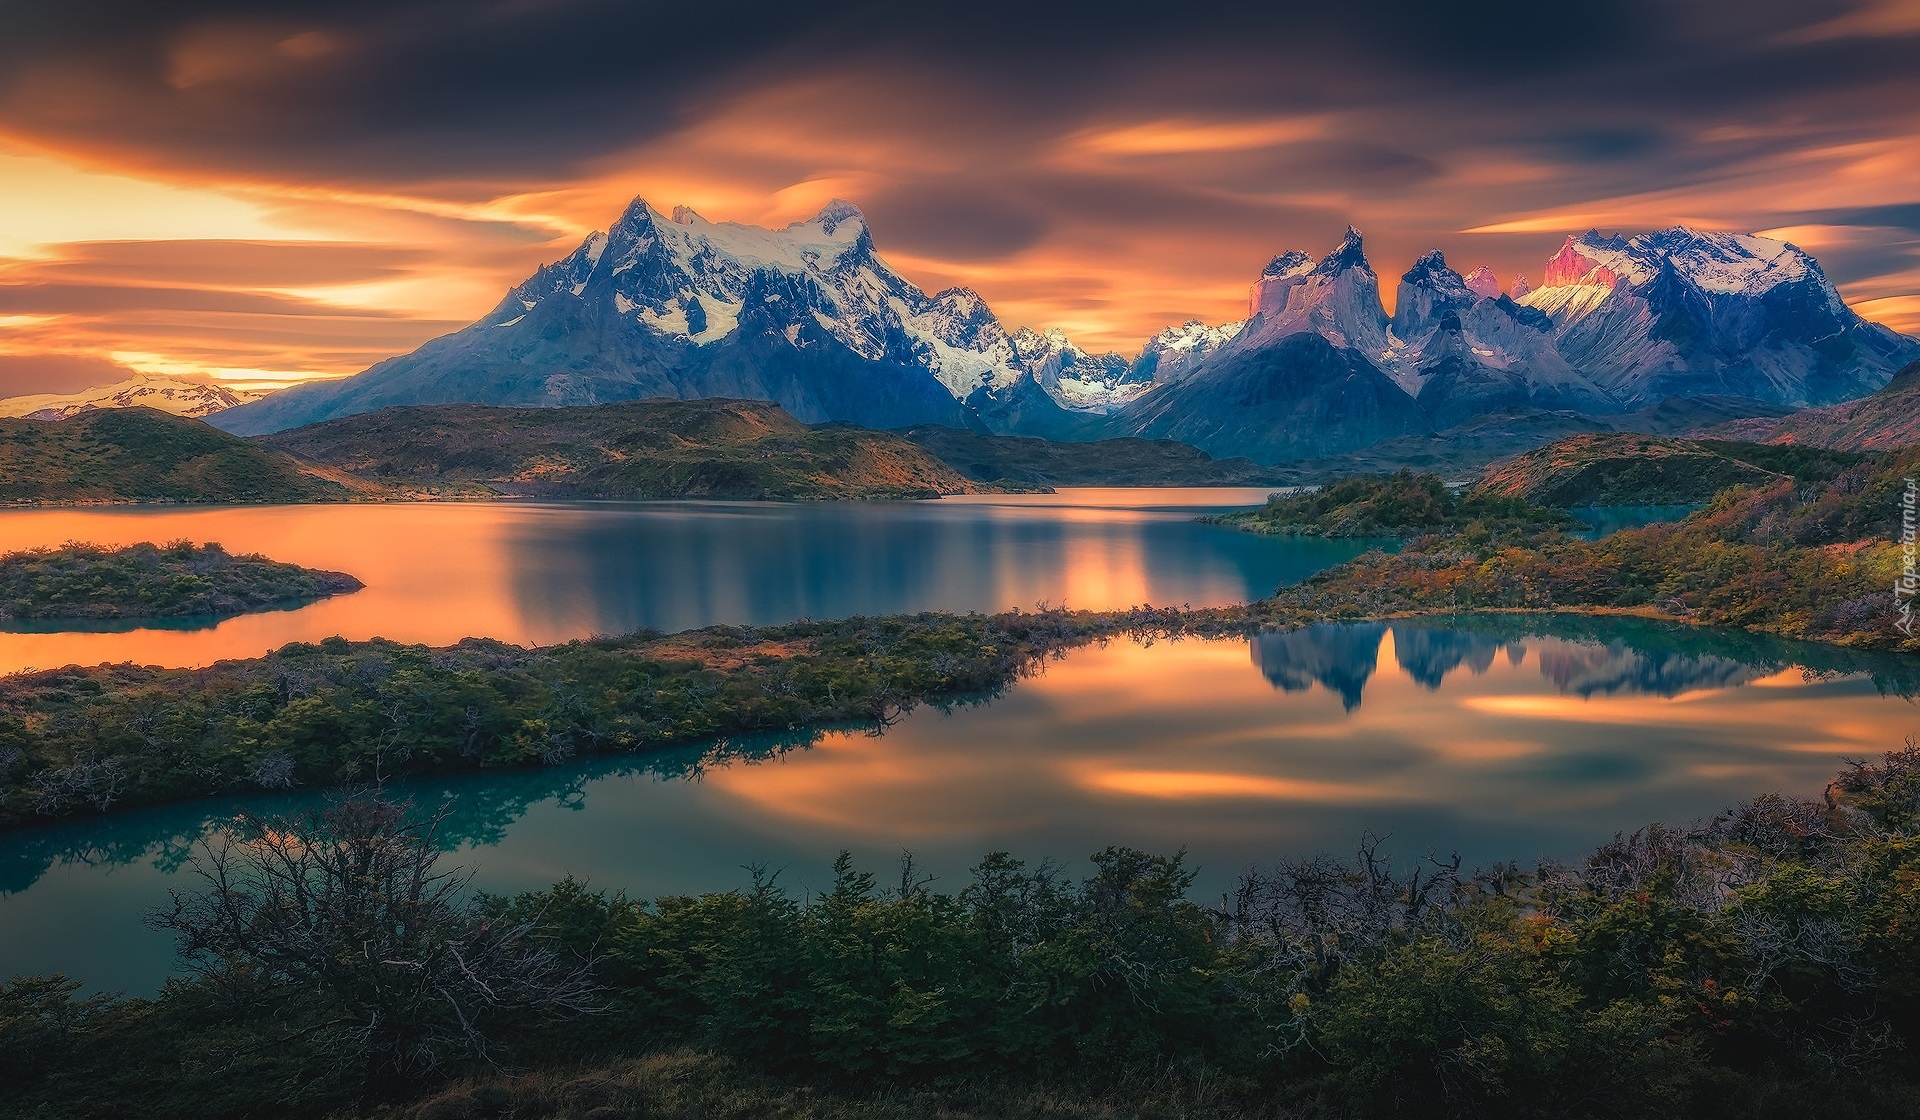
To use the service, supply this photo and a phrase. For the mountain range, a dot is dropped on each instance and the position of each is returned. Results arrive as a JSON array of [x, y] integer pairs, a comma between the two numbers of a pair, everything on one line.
[[812, 318], [151, 390]]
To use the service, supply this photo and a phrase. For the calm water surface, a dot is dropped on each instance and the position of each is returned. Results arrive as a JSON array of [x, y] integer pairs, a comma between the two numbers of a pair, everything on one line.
[[438, 572], [1497, 738]]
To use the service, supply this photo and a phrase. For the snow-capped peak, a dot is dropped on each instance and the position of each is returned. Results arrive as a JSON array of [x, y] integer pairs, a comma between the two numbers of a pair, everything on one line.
[[834, 213], [1729, 262], [1177, 351], [1288, 264], [1432, 271], [1428, 292], [1337, 297], [1483, 283], [150, 390]]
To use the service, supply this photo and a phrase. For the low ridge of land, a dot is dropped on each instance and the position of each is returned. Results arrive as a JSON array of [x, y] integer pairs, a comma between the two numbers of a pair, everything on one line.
[[152, 581], [1888, 419], [140, 454], [713, 448], [1622, 468], [1028, 461], [1402, 504]]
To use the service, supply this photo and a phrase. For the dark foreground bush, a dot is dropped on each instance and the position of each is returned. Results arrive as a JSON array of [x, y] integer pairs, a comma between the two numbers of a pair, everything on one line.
[[1763, 963]]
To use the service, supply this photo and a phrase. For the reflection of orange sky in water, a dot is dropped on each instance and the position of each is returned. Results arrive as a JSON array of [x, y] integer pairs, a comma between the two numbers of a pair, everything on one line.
[[375, 543], [524, 573], [1193, 724]]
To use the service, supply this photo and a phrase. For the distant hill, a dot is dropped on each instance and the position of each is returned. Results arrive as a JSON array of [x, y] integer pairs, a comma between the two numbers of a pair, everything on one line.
[[1886, 420], [1402, 504], [139, 454], [1624, 468], [714, 448], [1106, 462]]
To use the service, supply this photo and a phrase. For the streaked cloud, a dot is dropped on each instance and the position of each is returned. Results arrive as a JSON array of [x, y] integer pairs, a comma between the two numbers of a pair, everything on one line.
[[1110, 177]]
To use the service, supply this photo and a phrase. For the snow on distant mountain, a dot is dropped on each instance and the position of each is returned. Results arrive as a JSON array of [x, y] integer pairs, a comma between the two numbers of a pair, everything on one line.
[[808, 316], [1620, 324], [150, 390], [1683, 312], [812, 318], [1178, 351], [1462, 352], [1302, 377], [1078, 380], [1337, 298]]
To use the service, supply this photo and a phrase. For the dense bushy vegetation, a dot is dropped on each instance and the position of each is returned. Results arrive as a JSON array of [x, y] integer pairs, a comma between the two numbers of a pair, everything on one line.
[[1405, 503], [1805, 560], [78, 739], [153, 581], [1763, 963]]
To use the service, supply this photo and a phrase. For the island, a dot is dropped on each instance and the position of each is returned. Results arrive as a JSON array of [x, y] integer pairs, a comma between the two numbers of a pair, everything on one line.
[[178, 579]]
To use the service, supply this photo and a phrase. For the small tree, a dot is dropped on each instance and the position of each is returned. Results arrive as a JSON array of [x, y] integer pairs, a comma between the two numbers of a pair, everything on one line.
[[340, 922]]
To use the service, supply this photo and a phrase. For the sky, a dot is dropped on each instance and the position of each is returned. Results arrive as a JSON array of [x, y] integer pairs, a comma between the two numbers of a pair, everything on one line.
[[263, 192]]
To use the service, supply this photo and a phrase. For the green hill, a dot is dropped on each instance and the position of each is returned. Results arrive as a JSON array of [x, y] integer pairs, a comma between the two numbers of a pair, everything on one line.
[[1622, 468], [714, 448], [143, 455]]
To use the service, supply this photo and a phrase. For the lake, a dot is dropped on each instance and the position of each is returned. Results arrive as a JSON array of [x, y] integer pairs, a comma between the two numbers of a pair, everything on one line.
[[1499, 737], [1505, 737], [539, 573]]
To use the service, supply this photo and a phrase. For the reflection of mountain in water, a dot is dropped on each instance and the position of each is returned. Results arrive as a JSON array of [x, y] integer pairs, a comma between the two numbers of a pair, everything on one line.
[[1339, 657], [1581, 656], [671, 566], [1584, 669], [1429, 655]]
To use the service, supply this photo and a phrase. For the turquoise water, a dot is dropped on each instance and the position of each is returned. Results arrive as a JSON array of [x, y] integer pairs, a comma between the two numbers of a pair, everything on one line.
[[1498, 738]]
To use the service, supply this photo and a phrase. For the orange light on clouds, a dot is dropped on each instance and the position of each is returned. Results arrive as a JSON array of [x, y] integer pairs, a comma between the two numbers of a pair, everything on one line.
[[1111, 227]]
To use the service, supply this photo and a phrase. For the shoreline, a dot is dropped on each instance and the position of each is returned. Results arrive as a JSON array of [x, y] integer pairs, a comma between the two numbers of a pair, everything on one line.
[[884, 667]]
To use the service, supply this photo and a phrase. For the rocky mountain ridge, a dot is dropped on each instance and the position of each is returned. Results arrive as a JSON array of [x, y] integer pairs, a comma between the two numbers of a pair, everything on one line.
[[812, 318]]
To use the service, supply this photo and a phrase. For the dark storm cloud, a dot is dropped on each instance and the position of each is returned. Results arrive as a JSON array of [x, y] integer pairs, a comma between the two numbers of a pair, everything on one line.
[[426, 90], [1098, 167]]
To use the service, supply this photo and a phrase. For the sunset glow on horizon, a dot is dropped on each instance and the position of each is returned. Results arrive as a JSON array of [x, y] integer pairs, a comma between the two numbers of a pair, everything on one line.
[[271, 198]]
